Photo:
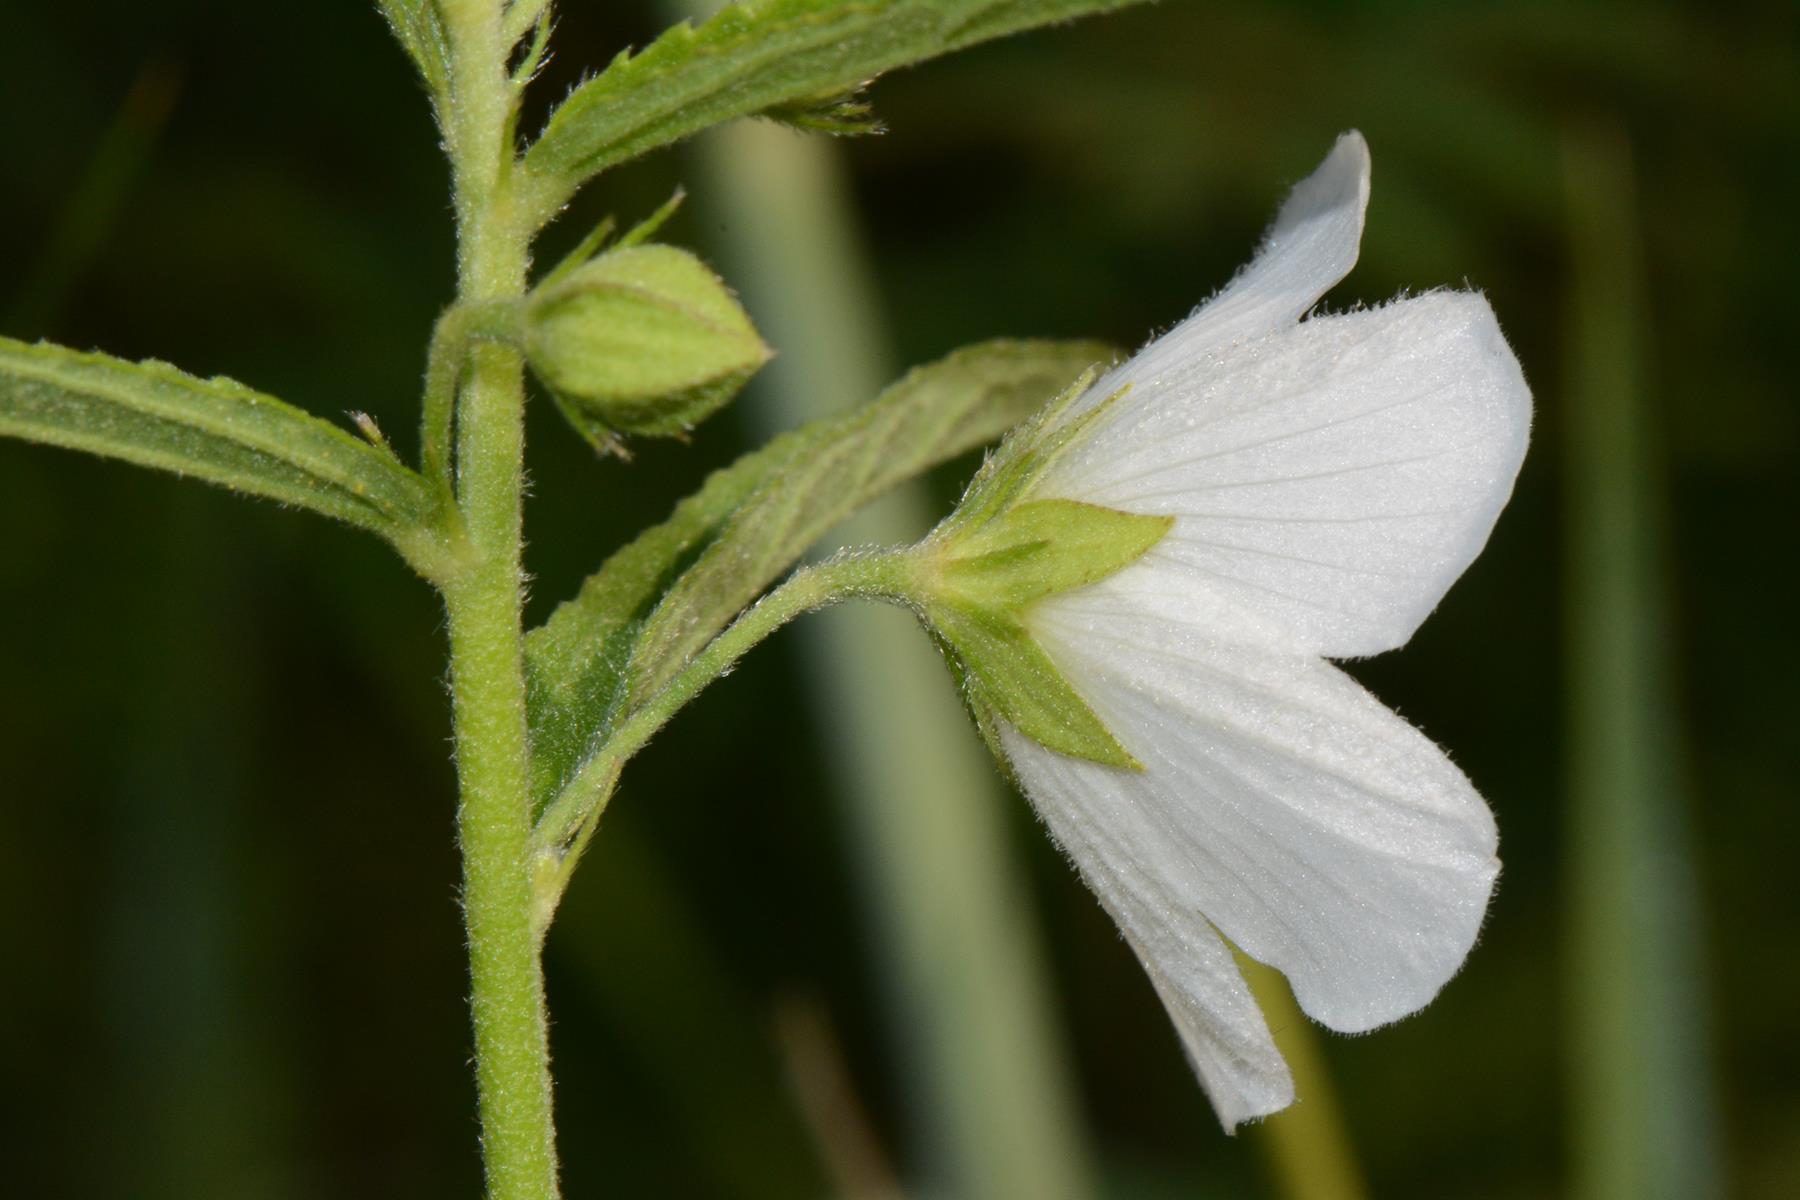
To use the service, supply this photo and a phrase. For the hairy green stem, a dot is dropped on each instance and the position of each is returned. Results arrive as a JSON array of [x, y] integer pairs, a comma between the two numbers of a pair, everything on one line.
[[563, 829], [484, 602], [512, 1064]]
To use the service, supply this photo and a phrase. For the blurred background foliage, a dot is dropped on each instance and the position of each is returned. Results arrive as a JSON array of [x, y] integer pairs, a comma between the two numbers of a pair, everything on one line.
[[232, 960]]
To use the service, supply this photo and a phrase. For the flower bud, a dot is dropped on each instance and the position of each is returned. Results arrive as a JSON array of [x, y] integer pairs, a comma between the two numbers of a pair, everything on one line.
[[640, 340]]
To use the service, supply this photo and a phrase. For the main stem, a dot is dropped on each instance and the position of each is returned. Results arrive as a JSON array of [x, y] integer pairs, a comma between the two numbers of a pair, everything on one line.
[[484, 603]]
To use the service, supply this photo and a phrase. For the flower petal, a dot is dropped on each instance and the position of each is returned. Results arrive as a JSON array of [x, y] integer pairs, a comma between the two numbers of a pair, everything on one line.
[[1311, 246], [1335, 478], [1280, 801], [1221, 1028]]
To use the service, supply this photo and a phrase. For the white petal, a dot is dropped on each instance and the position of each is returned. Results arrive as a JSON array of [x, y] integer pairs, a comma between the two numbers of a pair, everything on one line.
[[1334, 479], [1221, 1027], [1311, 246], [1280, 801]]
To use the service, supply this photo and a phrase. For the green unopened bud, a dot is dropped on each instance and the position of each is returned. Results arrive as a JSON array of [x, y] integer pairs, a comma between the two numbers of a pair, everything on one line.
[[640, 340], [1004, 549]]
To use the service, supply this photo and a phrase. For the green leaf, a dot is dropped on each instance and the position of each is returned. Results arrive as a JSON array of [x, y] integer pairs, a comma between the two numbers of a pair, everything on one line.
[[754, 57], [665, 595], [1011, 472], [214, 429], [419, 29], [522, 16]]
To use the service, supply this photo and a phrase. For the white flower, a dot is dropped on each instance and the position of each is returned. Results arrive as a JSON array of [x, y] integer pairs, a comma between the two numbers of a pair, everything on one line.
[[1328, 479]]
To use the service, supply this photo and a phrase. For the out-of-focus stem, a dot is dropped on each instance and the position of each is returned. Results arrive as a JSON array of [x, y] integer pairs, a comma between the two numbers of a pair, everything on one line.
[[1644, 1125], [988, 1087], [1306, 1145], [92, 209]]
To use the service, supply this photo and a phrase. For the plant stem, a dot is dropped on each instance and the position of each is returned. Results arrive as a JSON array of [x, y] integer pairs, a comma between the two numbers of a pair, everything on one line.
[[512, 1063], [883, 574], [484, 602]]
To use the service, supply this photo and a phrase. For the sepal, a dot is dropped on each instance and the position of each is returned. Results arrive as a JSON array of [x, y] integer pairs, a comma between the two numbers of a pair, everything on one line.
[[1041, 547], [1005, 673], [977, 576]]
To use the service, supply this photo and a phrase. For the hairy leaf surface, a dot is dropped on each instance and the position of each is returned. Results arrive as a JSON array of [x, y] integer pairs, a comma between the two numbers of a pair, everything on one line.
[[662, 597], [218, 430], [757, 56], [419, 29]]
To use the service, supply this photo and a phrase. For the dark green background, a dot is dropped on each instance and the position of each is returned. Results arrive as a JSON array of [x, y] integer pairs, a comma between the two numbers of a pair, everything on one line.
[[230, 959]]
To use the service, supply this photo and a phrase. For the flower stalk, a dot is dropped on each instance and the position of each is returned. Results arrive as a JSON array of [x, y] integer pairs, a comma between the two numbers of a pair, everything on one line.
[[563, 830]]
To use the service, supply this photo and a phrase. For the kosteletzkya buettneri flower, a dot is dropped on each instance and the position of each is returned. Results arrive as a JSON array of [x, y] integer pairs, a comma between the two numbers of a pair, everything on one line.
[[1139, 594]]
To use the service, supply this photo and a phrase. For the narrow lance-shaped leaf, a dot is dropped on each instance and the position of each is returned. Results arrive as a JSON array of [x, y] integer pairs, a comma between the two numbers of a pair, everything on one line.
[[662, 597], [419, 29], [753, 57], [214, 429]]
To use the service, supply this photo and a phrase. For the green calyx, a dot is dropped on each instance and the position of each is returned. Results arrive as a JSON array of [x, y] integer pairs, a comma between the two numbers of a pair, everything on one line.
[[1038, 548], [1003, 550], [641, 339]]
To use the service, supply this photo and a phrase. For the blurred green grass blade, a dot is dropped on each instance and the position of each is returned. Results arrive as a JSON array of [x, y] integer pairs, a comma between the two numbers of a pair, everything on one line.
[[198, 1095], [88, 215], [642, 962], [1641, 1083], [991, 1108], [819, 1076], [1306, 1144], [754, 56], [216, 429], [668, 592]]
